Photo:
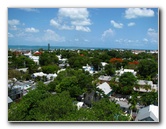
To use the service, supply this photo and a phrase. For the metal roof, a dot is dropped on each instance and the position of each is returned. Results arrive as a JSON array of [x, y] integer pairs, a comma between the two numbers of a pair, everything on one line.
[[150, 111]]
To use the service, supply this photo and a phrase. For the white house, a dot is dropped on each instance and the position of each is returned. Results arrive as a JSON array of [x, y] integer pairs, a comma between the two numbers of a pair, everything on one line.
[[149, 113], [122, 71], [104, 64], [39, 74], [88, 68], [49, 76], [79, 105], [22, 69], [145, 82], [105, 88], [103, 78], [35, 59], [28, 54]]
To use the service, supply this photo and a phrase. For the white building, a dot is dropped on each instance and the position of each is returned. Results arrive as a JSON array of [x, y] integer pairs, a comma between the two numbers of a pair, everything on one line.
[[35, 59], [122, 71], [144, 83], [49, 76], [39, 74], [88, 68], [103, 64], [79, 105], [28, 54], [149, 113], [105, 87]]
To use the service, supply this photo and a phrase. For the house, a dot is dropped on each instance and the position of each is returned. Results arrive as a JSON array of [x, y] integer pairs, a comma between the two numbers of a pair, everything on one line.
[[149, 113], [39, 74], [64, 65], [103, 79], [15, 92], [51, 76], [79, 105], [60, 70], [35, 59], [37, 53], [28, 54], [22, 69], [88, 68], [105, 88], [103, 64], [9, 101], [122, 71], [124, 105], [143, 84]]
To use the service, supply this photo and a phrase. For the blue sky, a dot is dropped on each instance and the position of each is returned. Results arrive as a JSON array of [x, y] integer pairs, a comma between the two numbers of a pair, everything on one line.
[[135, 28]]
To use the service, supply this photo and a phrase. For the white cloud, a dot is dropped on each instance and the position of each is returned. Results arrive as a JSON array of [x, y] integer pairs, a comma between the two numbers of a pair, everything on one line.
[[74, 13], [54, 23], [107, 34], [72, 19], [12, 24], [119, 40], [145, 40], [31, 30], [131, 24], [82, 28], [116, 25], [126, 41], [84, 22], [138, 12], [29, 9], [10, 35], [152, 34], [50, 35], [21, 34], [66, 27], [13, 27]]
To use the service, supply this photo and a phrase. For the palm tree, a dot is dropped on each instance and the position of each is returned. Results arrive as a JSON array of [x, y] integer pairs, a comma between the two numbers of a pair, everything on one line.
[[133, 101]]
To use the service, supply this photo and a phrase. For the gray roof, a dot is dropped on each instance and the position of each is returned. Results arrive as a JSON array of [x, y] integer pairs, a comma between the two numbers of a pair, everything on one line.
[[123, 104], [9, 100], [145, 82], [150, 111], [105, 78]]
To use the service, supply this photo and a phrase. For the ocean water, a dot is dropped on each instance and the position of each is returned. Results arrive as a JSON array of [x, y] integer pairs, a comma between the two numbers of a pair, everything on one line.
[[24, 47]]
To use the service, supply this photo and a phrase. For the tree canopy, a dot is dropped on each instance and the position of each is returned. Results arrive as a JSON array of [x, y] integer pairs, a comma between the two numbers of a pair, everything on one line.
[[147, 67]]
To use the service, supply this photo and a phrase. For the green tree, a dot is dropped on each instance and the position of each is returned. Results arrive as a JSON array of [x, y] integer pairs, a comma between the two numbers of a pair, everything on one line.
[[149, 98], [55, 108], [29, 105], [109, 69], [74, 81], [133, 100], [127, 82], [12, 73], [147, 68], [96, 63], [50, 69], [105, 110], [48, 58]]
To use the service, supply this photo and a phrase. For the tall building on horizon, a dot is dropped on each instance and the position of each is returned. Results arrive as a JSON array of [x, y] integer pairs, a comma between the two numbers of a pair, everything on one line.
[[48, 47]]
